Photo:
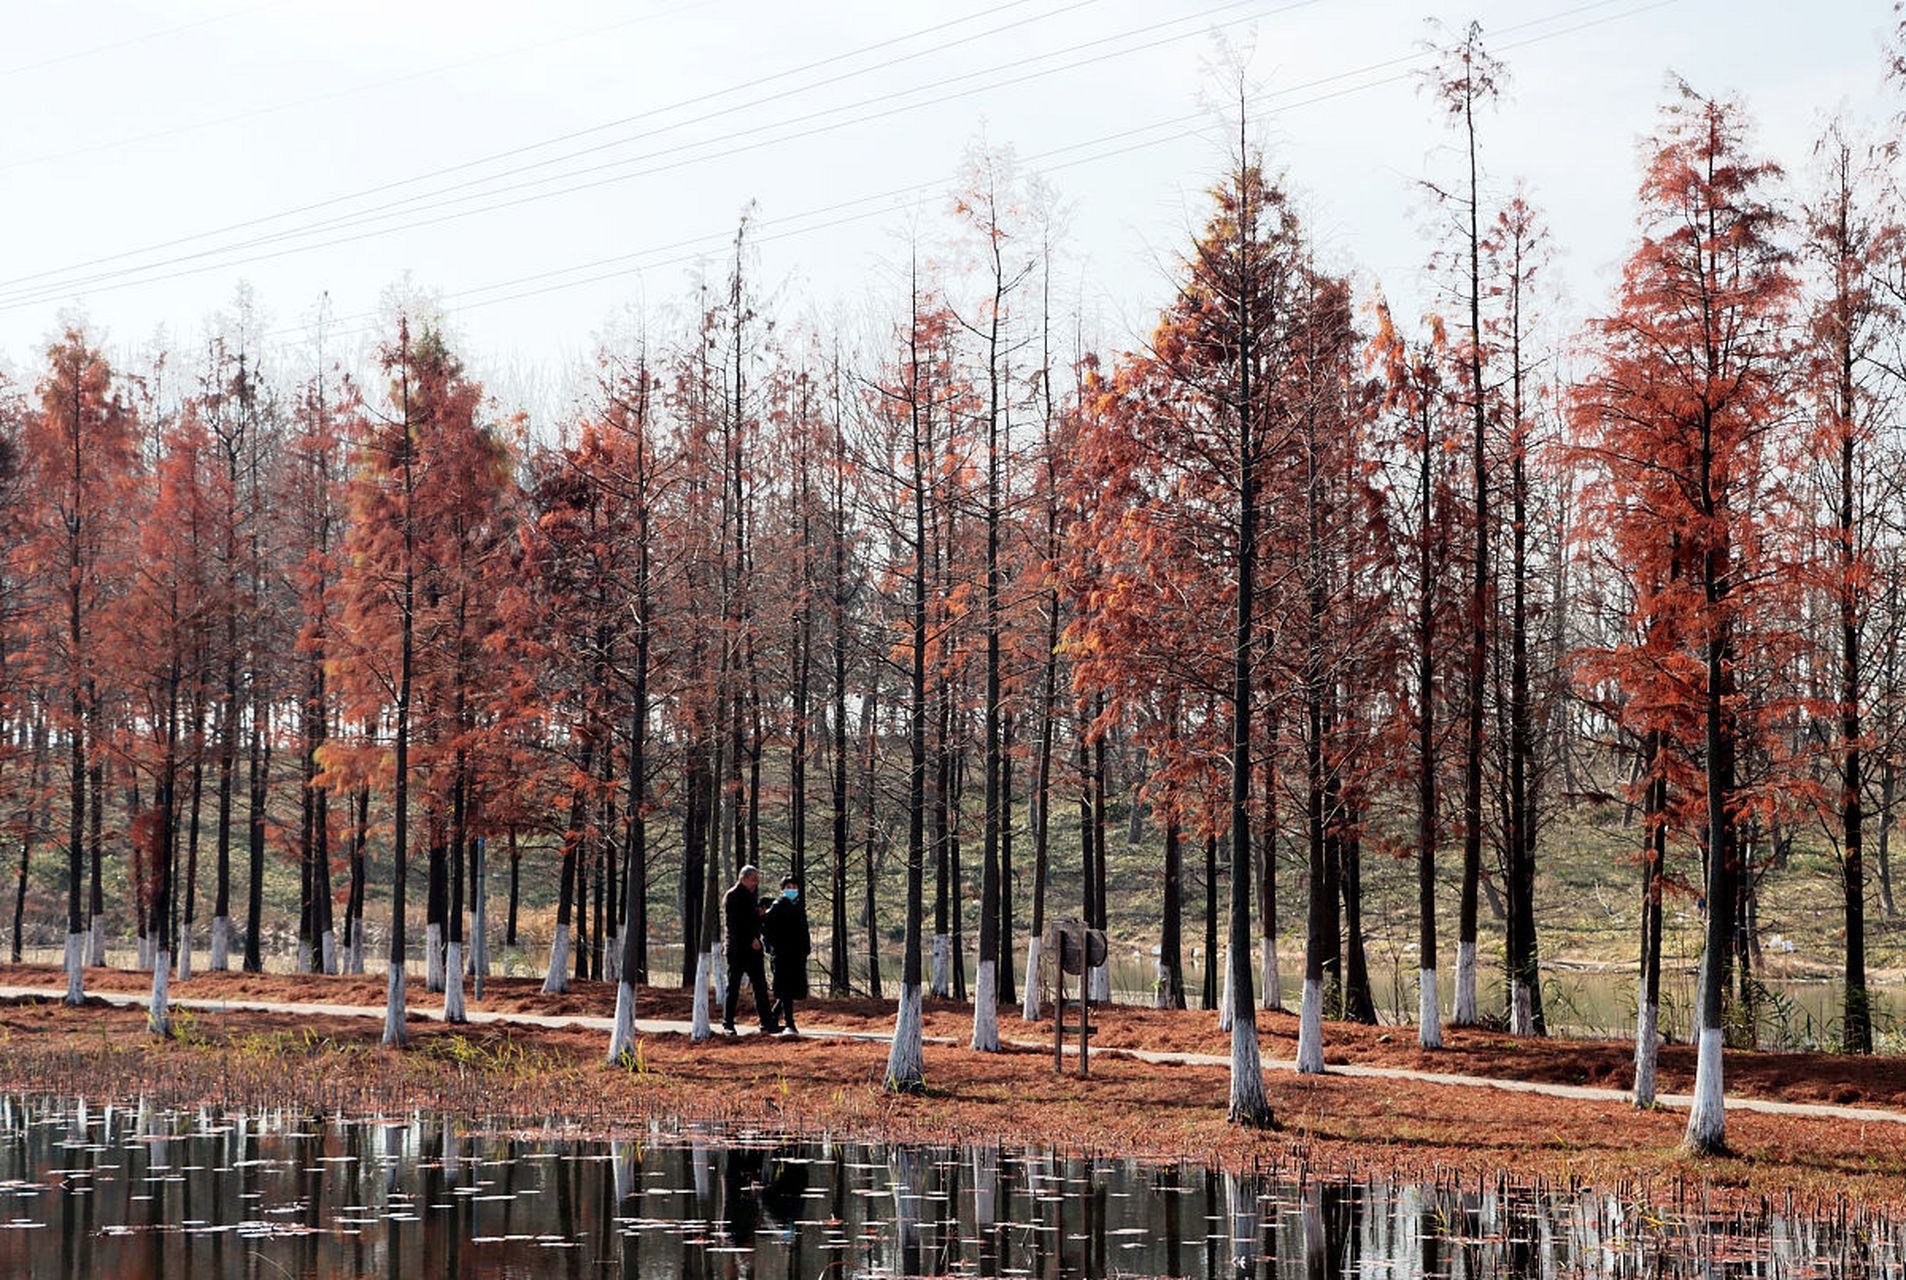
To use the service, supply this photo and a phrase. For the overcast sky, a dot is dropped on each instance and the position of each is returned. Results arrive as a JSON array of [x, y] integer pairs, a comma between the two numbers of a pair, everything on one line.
[[542, 167]]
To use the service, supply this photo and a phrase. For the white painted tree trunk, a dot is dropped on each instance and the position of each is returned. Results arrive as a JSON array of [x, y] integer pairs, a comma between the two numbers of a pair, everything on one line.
[[328, 951], [1707, 1117], [1521, 1009], [1464, 1012], [1224, 995], [143, 950], [433, 957], [304, 956], [1029, 1008], [1161, 986], [1249, 1104], [1310, 1028], [906, 1060], [986, 1009], [221, 944], [75, 968], [1269, 980], [1101, 983], [185, 956], [453, 985], [394, 1033], [718, 970], [355, 964], [1647, 1050], [622, 1033], [698, 1024], [556, 980], [96, 949], [159, 1013], [1429, 1010], [611, 959], [940, 981]]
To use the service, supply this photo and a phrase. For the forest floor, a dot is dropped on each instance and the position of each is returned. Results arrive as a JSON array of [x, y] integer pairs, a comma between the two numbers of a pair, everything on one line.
[[1130, 1105]]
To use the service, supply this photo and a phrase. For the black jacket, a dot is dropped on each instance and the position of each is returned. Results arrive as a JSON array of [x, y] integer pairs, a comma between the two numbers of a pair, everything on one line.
[[741, 909], [784, 931]]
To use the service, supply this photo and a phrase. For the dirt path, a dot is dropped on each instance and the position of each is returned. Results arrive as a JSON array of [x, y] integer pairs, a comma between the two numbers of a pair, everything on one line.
[[675, 1027]]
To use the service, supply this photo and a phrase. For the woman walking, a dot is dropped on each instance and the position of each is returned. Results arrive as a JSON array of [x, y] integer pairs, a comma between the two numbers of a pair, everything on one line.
[[784, 933]]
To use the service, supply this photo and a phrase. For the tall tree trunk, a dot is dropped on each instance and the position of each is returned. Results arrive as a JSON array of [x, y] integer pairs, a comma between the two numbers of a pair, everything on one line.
[[1464, 1013], [1321, 921], [95, 836], [453, 1006], [906, 1063], [1707, 1116], [837, 966], [76, 713], [1359, 998], [556, 975], [696, 804], [35, 818], [1208, 996], [943, 888], [258, 777], [436, 890], [1171, 970], [394, 1007], [1248, 1103], [634, 930], [165, 803], [1101, 976], [1429, 1017], [1654, 867], [1857, 1015], [515, 895], [870, 724], [186, 899], [1048, 681], [1525, 977], [1889, 785], [1004, 933]]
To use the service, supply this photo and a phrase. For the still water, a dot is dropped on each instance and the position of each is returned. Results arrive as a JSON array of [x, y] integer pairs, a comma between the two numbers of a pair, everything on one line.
[[135, 1193]]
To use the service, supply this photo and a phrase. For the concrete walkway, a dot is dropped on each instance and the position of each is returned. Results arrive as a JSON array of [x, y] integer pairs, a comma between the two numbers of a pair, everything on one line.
[[661, 1026]]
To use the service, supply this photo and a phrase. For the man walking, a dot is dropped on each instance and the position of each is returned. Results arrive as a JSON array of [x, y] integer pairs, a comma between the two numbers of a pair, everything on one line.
[[741, 911], [784, 930]]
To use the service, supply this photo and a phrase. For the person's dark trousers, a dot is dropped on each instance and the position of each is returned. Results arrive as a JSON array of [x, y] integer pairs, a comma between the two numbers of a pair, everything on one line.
[[747, 965], [783, 1002]]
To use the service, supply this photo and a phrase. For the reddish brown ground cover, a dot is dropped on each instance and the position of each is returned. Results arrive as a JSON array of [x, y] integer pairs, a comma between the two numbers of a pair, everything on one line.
[[1793, 1077], [1127, 1106]]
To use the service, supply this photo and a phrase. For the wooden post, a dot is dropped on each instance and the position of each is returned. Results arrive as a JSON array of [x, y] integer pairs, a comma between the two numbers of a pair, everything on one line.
[[1059, 1007], [1085, 1006]]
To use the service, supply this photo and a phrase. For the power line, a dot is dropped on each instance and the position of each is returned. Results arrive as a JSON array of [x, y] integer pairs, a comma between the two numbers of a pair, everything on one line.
[[718, 240], [347, 91], [492, 157], [117, 278], [144, 38]]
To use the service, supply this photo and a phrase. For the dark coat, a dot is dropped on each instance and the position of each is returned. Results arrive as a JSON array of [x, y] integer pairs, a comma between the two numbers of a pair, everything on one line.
[[784, 933], [742, 912]]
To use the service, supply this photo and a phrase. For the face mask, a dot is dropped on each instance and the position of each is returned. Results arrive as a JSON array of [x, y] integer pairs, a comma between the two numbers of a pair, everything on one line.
[[791, 894]]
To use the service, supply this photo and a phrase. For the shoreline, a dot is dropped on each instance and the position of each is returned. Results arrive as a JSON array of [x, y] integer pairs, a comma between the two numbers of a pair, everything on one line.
[[533, 1078]]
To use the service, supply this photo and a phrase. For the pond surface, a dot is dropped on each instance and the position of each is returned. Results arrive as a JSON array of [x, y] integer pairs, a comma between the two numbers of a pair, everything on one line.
[[134, 1193]]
